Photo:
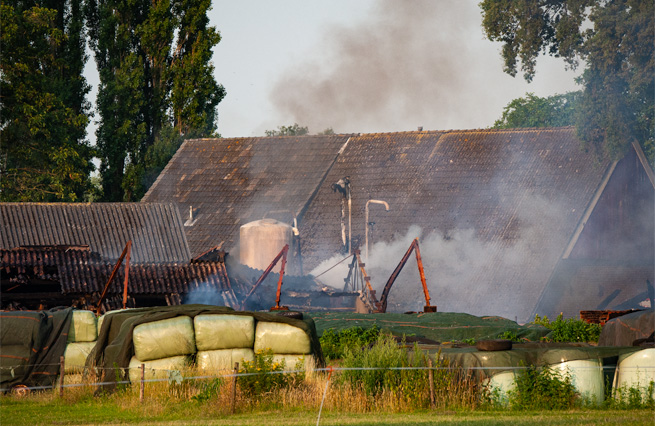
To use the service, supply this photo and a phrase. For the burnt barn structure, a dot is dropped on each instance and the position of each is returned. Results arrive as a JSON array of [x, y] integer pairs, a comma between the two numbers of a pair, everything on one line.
[[63, 255], [511, 222]]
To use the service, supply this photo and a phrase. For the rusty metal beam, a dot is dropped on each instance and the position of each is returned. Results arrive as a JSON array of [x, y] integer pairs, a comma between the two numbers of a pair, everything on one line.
[[382, 305], [126, 250], [268, 270]]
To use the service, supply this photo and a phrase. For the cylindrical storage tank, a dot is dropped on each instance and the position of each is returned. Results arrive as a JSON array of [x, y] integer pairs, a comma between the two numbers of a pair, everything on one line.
[[587, 377], [260, 241], [635, 371]]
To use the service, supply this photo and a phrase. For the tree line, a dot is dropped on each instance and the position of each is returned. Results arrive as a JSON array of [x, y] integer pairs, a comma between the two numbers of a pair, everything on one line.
[[156, 88]]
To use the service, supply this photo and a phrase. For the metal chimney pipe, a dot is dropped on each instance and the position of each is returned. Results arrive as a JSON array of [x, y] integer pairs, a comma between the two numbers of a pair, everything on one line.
[[386, 205]]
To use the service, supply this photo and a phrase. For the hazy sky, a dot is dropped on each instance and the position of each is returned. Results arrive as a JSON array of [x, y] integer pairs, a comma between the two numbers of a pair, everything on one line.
[[361, 66], [364, 66]]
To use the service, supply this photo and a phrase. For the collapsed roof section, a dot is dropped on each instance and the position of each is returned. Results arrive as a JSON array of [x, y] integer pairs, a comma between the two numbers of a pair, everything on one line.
[[61, 275]]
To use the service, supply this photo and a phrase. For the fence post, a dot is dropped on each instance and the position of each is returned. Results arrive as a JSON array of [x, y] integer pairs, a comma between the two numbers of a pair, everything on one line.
[[234, 387], [62, 369], [431, 380], [143, 385]]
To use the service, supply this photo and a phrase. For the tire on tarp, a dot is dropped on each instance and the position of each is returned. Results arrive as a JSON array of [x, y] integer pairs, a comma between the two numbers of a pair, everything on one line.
[[493, 345]]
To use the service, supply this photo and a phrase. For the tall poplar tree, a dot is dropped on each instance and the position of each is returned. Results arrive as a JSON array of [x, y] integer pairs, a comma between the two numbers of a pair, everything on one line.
[[156, 86], [44, 155]]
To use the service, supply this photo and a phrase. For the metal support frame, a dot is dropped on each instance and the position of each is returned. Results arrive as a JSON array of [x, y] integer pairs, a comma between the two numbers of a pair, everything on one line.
[[282, 254], [126, 252], [382, 305]]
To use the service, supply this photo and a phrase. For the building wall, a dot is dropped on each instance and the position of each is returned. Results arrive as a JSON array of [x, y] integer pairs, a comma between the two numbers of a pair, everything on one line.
[[622, 225]]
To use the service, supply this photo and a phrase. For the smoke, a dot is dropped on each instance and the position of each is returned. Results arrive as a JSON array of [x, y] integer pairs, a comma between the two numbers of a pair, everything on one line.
[[464, 271], [422, 61], [204, 294]]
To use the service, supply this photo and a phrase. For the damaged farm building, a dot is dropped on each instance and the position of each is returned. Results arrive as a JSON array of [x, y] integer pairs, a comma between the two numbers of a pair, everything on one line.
[[511, 223]]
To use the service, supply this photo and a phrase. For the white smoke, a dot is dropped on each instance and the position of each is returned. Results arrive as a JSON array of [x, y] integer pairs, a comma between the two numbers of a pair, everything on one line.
[[465, 272]]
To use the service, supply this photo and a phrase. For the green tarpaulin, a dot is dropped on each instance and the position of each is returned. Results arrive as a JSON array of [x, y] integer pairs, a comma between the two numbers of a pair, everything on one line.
[[31, 344], [438, 326]]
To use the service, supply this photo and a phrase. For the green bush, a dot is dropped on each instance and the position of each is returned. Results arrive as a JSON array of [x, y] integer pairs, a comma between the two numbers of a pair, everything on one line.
[[258, 381], [570, 329], [543, 389], [632, 398], [334, 344], [385, 367]]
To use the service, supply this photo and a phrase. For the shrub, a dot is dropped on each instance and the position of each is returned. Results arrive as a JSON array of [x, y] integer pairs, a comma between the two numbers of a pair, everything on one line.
[[634, 397], [334, 344], [543, 389], [258, 380], [570, 329]]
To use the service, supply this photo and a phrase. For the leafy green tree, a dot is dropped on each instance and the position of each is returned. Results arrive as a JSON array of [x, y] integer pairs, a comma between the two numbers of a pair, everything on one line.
[[615, 40], [534, 111], [293, 130], [44, 154], [155, 75]]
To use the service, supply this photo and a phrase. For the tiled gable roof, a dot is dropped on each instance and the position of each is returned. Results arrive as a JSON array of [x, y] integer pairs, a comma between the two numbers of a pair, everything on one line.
[[494, 209], [504, 201], [155, 229], [230, 182]]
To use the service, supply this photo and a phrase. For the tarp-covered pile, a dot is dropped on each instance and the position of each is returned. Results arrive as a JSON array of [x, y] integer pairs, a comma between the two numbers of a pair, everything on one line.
[[438, 326], [168, 338], [32, 344]]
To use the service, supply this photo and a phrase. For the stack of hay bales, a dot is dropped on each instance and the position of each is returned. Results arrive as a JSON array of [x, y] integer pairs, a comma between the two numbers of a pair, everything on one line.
[[217, 341], [82, 336], [162, 346]]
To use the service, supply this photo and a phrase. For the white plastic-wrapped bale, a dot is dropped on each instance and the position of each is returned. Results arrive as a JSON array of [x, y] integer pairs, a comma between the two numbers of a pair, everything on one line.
[[164, 339], [294, 361], [281, 338], [83, 327], [223, 359], [224, 332], [156, 369], [75, 356]]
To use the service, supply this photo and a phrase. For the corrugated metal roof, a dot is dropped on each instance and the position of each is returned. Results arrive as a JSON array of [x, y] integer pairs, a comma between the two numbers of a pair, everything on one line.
[[230, 182], [155, 229]]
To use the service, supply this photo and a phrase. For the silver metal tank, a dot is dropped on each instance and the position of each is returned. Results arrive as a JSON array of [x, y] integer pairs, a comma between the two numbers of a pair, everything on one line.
[[262, 240]]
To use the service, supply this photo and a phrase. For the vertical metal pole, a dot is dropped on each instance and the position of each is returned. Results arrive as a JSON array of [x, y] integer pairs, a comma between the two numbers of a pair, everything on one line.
[[350, 229], [431, 380], [234, 387], [366, 233], [127, 273], [62, 369], [143, 384]]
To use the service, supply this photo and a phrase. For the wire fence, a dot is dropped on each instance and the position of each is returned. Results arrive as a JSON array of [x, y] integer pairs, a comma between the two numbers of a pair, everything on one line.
[[97, 371]]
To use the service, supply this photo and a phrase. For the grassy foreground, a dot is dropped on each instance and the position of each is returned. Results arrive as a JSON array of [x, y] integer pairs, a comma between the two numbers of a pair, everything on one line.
[[37, 411]]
